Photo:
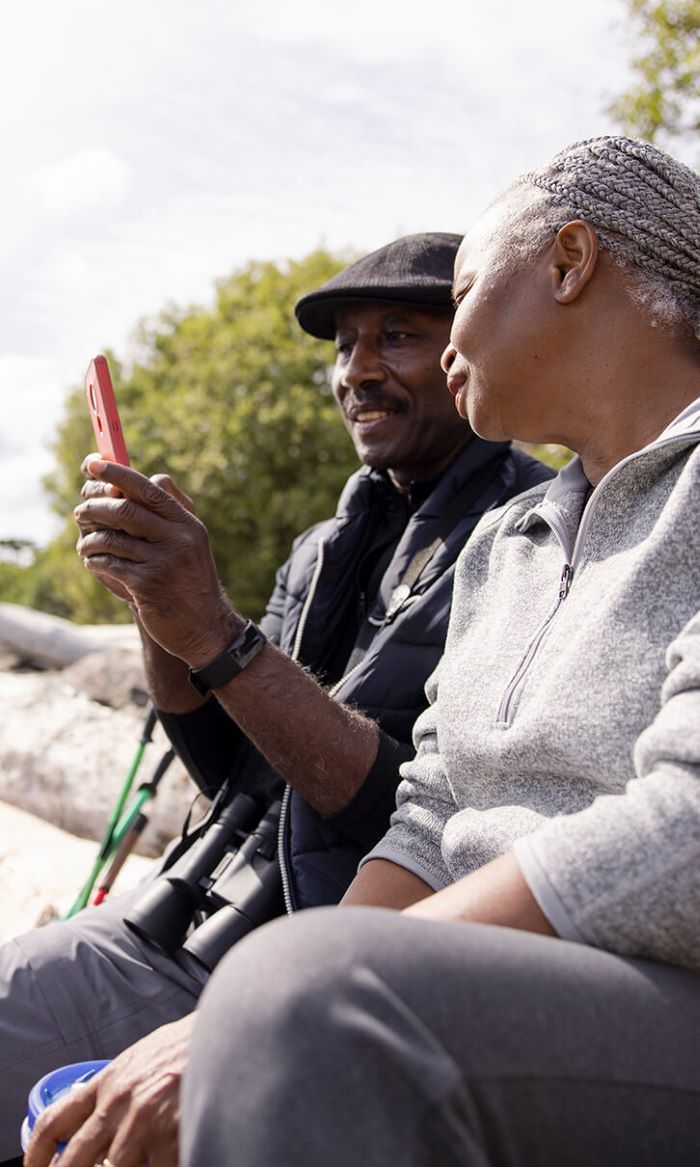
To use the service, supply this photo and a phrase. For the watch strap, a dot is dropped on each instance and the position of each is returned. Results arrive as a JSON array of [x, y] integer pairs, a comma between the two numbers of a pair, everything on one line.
[[229, 663]]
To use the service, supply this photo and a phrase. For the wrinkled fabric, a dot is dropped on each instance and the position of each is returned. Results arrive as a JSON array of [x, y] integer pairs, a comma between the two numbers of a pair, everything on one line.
[[555, 726]]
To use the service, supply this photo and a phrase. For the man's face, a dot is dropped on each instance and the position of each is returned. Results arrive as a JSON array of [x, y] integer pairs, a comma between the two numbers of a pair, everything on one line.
[[391, 391]]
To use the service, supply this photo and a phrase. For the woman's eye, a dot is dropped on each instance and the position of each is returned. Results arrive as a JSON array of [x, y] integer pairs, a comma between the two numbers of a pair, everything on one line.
[[459, 294]]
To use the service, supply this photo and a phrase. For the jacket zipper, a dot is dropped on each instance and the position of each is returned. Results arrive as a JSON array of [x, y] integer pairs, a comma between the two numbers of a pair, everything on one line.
[[284, 809], [503, 715], [567, 575]]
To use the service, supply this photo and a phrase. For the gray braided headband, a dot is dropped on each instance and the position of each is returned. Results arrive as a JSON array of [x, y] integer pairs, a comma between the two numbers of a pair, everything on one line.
[[644, 205]]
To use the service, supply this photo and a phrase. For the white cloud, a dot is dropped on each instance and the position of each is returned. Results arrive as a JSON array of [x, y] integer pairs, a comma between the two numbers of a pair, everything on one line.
[[30, 390], [150, 148], [90, 178]]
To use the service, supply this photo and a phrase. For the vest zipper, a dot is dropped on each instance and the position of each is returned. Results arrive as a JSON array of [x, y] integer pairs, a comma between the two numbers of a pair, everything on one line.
[[284, 809], [301, 627], [281, 853]]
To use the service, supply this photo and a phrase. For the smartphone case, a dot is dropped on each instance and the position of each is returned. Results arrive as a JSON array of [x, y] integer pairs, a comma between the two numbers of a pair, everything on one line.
[[104, 412]]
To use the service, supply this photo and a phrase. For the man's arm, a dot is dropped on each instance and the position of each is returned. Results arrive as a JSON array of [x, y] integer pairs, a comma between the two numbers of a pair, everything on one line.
[[325, 750], [166, 677], [149, 547]]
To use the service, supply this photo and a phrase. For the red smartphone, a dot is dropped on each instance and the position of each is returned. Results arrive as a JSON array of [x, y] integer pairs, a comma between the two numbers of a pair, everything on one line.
[[104, 412]]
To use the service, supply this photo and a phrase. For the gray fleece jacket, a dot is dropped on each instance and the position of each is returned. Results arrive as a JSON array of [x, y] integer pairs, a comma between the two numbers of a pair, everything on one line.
[[565, 714]]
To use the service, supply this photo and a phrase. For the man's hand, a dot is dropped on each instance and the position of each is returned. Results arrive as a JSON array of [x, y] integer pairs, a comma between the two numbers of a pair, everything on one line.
[[147, 546], [150, 544], [129, 1113]]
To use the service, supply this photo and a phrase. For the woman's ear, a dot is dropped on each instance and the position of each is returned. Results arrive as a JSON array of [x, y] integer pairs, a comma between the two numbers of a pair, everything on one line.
[[574, 259]]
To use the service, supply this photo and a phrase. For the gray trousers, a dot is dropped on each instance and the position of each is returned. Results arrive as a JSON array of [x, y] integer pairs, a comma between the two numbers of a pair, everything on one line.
[[359, 1037], [76, 990]]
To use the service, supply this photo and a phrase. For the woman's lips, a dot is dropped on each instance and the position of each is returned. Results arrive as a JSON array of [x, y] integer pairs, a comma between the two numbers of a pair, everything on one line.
[[455, 382]]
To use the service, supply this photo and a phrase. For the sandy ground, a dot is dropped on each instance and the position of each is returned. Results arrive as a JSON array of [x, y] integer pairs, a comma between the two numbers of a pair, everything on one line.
[[42, 870]]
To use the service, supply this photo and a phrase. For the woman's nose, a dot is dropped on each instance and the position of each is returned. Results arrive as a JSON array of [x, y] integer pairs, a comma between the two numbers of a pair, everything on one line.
[[447, 358]]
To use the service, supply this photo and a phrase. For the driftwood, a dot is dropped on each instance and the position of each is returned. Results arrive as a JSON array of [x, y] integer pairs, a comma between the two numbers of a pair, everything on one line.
[[68, 735], [42, 869], [41, 641]]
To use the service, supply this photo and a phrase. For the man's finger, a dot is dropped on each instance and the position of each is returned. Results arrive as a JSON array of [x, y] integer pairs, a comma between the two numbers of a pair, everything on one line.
[[89, 1145], [120, 514], [84, 464], [166, 483], [135, 486], [135, 516], [93, 489], [57, 1124], [108, 541], [135, 1145]]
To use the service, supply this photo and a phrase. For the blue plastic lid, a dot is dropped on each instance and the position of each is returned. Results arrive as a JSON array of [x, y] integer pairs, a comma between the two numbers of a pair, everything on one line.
[[53, 1086]]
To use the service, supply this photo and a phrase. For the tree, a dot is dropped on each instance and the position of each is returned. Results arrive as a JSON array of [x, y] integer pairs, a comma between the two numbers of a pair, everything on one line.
[[235, 403], [664, 102]]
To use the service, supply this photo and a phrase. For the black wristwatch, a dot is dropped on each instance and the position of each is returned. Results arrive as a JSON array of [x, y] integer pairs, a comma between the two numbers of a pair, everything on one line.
[[229, 663]]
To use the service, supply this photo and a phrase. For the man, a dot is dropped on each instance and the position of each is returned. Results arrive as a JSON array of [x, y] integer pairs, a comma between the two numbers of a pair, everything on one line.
[[362, 603]]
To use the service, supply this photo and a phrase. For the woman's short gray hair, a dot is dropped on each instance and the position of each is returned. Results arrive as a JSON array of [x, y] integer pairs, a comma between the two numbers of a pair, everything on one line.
[[644, 206]]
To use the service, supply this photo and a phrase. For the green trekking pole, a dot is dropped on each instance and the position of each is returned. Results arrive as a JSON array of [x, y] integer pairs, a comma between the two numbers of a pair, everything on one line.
[[106, 844], [129, 828]]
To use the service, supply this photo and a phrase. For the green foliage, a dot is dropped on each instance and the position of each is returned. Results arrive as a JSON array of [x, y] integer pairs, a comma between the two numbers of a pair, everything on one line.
[[13, 583], [235, 403], [549, 453], [664, 103]]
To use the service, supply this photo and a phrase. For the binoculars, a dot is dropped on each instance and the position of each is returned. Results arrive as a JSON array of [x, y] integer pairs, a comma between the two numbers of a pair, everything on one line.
[[230, 875]]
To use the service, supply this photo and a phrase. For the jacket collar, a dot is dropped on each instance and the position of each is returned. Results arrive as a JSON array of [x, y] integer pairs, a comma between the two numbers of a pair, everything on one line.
[[368, 487], [566, 495]]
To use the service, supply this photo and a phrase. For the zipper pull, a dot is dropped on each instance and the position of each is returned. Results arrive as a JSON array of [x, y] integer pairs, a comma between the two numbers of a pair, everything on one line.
[[565, 581], [399, 596]]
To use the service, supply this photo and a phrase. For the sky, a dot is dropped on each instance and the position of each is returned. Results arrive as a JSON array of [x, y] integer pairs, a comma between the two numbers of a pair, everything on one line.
[[151, 147]]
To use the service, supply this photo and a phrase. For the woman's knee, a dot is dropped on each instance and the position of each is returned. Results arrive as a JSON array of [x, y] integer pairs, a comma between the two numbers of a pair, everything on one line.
[[288, 977]]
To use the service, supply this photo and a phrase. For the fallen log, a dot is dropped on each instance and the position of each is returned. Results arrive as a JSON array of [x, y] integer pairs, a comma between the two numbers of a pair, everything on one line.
[[41, 641]]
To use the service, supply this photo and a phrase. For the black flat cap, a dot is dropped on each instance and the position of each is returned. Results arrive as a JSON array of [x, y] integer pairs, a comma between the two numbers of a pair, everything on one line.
[[416, 269]]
